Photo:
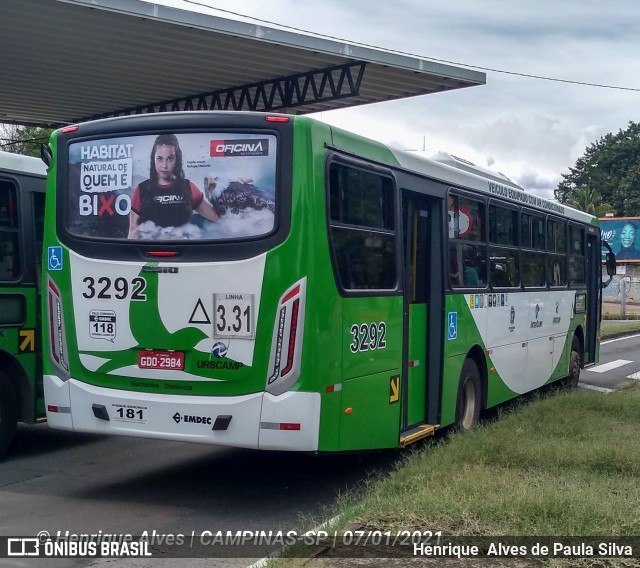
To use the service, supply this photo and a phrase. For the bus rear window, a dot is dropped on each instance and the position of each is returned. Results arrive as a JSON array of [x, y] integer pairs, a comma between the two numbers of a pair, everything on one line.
[[168, 187]]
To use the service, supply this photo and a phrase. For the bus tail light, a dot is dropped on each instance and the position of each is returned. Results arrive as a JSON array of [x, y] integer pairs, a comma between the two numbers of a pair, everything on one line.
[[270, 118], [162, 253], [286, 345], [57, 338], [289, 426]]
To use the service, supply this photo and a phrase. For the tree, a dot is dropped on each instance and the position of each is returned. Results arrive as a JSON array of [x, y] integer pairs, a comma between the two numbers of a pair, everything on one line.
[[589, 200], [607, 173], [24, 140]]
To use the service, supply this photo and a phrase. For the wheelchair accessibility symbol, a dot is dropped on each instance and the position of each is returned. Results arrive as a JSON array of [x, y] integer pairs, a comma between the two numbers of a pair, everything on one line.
[[453, 325], [54, 254]]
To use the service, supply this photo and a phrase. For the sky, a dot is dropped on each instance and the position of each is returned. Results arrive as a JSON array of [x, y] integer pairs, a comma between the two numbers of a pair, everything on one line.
[[531, 130]]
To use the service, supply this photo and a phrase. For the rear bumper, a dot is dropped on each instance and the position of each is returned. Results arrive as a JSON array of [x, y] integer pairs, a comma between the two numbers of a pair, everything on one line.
[[255, 419]]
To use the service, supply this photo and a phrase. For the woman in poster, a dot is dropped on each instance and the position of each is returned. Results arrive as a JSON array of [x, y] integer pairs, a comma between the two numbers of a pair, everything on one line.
[[167, 198], [627, 243]]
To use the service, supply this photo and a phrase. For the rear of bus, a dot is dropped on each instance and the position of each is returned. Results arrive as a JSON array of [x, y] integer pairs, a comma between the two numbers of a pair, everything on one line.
[[166, 320]]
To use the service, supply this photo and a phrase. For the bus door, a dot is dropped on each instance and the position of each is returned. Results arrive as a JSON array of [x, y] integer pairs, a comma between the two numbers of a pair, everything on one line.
[[593, 297], [423, 328]]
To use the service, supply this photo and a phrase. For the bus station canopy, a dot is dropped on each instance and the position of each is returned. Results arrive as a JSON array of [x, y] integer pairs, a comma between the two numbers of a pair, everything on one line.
[[65, 61]]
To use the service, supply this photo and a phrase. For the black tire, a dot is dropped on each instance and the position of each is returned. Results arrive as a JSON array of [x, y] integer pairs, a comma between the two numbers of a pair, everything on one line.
[[575, 363], [8, 415], [469, 402]]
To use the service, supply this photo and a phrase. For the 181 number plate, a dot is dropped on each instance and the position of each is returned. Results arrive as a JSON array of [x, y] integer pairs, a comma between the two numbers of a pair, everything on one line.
[[166, 360], [233, 316]]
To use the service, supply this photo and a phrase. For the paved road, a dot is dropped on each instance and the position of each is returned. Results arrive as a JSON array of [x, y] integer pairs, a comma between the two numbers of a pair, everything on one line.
[[619, 363], [58, 481]]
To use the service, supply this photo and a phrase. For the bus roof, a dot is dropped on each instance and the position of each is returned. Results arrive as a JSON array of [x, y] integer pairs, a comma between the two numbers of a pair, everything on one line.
[[462, 173], [22, 164], [216, 62]]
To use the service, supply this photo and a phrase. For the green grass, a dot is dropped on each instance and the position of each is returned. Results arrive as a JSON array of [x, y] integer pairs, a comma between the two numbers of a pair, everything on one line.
[[616, 316], [564, 463], [615, 328]]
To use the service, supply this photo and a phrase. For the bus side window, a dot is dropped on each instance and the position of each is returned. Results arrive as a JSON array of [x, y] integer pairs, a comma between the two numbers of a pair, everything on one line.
[[467, 248], [504, 268], [362, 228], [38, 227], [9, 258], [467, 265], [9, 252]]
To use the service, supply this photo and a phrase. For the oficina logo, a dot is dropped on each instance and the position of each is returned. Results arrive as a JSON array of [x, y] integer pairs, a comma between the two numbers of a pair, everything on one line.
[[219, 350]]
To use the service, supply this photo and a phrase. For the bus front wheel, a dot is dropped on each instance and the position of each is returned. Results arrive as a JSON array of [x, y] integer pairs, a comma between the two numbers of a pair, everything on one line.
[[8, 415], [575, 362], [468, 405]]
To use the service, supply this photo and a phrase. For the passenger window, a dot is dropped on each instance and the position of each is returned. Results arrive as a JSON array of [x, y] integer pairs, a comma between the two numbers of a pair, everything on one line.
[[557, 247], [9, 243], [362, 228], [504, 260], [467, 249]]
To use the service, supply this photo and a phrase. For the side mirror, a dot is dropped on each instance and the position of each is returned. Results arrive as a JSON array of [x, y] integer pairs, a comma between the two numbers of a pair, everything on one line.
[[45, 154], [611, 264]]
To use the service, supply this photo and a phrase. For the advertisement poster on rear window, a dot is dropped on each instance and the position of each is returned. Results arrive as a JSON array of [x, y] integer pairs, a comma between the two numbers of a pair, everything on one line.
[[173, 187], [622, 234]]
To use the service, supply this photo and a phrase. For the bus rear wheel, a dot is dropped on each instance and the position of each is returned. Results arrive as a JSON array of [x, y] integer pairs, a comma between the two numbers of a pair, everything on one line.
[[575, 362], [8, 414], [469, 405]]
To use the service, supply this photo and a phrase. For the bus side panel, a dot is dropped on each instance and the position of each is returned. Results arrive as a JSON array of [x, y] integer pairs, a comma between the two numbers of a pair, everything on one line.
[[416, 402], [48, 239], [372, 357], [462, 332], [308, 242], [19, 302], [19, 339], [564, 342], [370, 419], [328, 361], [451, 376]]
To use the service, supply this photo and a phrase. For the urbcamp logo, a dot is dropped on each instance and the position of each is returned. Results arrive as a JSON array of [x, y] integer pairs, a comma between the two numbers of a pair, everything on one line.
[[513, 315], [219, 349]]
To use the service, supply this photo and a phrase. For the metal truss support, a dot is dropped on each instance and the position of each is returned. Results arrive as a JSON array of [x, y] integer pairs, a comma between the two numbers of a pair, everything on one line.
[[320, 85]]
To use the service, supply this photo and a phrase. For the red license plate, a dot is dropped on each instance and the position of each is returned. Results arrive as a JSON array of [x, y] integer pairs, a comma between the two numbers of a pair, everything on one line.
[[164, 360]]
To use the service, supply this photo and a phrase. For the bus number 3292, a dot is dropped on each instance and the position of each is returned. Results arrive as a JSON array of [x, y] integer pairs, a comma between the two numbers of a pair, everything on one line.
[[121, 287], [368, 337]]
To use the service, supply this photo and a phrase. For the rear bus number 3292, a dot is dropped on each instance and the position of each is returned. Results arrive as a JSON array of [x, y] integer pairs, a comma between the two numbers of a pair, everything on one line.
[[120, 288]]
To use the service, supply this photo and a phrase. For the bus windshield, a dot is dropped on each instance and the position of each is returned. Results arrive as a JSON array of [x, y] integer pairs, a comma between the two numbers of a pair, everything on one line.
[[168, 187]]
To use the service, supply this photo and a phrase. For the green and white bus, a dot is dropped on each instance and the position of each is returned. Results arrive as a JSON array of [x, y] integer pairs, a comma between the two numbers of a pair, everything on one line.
[[22, 192], [272, 282]]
